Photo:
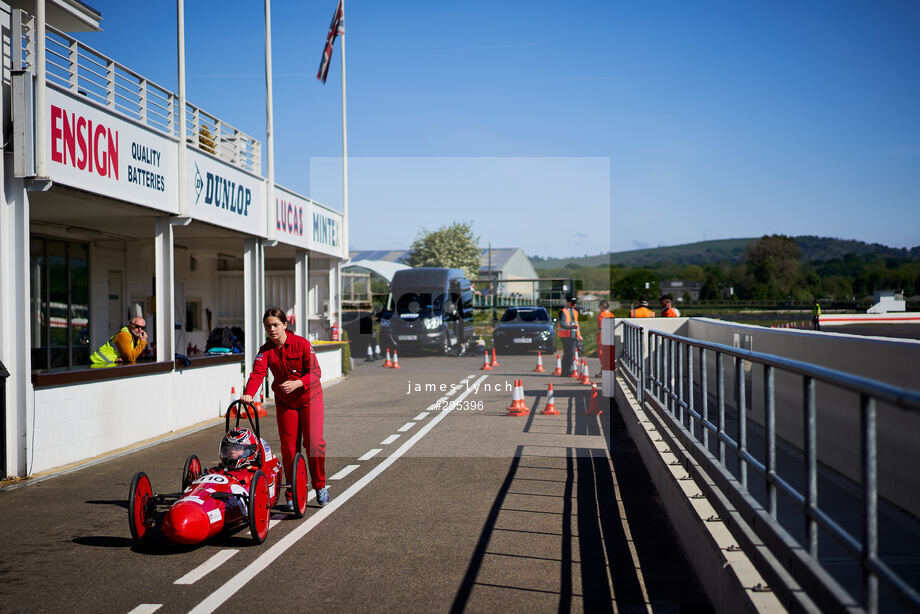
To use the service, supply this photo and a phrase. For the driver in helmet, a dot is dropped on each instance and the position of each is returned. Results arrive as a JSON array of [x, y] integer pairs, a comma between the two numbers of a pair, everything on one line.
[[239, 448]]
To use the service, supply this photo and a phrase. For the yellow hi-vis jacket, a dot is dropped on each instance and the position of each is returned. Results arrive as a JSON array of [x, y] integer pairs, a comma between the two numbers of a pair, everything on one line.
[[110, 351]]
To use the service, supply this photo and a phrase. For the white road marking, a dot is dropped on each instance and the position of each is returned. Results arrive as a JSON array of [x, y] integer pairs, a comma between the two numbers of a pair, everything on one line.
[[406, 427], [237, 582], [441, 401], [370, 454], [389, 440], [341, 474], [452, 391], [207, 567], [432, 407], [146, 608], [421, 416]]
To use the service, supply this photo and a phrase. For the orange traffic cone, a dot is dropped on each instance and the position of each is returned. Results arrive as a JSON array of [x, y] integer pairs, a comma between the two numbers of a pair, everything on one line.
[[387, 362], [576, 354], [594, 407], [550, 409], [585, 378], [396, 360], [539, 368], [558, 370], [517, 407], [576, 374], [494, 361], [260, 410], [485, 362]]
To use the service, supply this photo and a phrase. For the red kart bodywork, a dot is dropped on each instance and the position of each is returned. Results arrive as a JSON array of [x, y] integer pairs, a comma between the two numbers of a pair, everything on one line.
[[218, 499]]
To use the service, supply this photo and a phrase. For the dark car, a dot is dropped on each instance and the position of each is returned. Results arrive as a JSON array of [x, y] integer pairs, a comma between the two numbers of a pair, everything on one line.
[[526, 329]]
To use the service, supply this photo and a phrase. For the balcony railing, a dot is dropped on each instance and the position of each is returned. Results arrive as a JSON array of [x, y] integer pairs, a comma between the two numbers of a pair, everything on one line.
[[71, 65]]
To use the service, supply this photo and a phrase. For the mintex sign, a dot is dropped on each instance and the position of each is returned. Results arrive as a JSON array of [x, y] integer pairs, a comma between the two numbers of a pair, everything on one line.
[[225, 196], [99, 152], [327, 231]]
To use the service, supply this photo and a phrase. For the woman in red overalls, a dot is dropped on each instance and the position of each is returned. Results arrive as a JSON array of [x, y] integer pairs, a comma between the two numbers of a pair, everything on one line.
[[298, 397]]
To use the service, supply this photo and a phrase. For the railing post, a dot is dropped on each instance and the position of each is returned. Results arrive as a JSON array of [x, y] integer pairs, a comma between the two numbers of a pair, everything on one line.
[[196, 128], [870, 502], [742, 420], [171, 120], [811, 466], [690, 404], [769, 402], [720, 402], [643, 363], [74, 68], [110, 84], [704, 396], [142, 96], [680, 381]]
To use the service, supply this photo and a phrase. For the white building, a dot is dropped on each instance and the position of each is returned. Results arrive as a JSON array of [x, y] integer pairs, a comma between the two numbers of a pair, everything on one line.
[[93, 231]]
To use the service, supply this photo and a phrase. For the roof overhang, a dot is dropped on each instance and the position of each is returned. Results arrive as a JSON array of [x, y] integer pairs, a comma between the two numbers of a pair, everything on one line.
[[65, 15]]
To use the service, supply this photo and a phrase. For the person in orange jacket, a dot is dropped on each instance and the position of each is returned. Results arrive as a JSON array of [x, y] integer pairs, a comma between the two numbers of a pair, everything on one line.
[[642, 311], [667, 311], [603, 313]]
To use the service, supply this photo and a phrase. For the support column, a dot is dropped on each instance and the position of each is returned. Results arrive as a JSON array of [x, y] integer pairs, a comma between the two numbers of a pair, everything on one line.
[[333, 296], [16, 323], [164, 270], [253, 298], [301, 286]]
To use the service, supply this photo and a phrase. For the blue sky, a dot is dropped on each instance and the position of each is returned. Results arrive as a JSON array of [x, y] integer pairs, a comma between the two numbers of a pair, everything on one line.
[[570, 129]]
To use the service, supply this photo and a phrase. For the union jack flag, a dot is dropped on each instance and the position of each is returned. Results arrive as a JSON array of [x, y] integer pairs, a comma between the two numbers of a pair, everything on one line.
[[336, 28]]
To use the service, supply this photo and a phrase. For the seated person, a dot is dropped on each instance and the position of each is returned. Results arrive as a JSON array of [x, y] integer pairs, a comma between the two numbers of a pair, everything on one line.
[[124, 346]]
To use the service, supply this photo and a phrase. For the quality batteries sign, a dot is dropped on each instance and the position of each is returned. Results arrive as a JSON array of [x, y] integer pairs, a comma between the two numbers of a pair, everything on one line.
[[99, 152], [224, 195]]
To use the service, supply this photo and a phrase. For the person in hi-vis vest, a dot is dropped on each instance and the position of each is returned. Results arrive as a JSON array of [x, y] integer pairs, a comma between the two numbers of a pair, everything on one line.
[[642, 311], [569, 333], [124, 346]]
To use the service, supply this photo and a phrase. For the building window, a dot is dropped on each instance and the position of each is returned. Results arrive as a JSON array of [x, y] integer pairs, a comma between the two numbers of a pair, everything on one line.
[[59, 303]]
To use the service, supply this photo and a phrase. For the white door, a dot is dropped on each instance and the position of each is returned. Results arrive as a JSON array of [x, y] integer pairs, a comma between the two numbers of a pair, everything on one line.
[[117, 315]]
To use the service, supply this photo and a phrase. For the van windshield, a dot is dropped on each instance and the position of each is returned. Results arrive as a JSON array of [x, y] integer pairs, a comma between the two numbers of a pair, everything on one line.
[[423, 302]]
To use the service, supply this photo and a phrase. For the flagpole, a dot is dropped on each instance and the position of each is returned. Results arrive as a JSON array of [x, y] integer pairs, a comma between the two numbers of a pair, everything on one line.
[[344, 169], [269, 119]]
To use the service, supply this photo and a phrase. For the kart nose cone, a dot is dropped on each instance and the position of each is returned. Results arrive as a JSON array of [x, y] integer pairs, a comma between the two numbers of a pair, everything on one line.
[[186, 523]]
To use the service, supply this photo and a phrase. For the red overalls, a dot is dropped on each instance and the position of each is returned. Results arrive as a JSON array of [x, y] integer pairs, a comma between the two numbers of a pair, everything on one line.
[[300, 414]]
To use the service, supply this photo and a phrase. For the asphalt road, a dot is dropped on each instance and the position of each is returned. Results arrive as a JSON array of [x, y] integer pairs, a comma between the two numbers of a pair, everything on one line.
[[463, 510]]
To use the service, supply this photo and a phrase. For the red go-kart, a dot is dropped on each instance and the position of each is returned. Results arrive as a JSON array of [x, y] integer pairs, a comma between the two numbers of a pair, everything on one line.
[[241, 489]]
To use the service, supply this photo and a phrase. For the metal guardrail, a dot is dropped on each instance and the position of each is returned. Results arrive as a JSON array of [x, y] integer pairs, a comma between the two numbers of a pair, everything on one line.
[[75, 67], [661, 368]]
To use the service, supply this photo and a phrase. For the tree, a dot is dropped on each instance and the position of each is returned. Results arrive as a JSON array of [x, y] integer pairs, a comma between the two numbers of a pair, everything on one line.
[[631, 287], [452, 247], [774, 267]]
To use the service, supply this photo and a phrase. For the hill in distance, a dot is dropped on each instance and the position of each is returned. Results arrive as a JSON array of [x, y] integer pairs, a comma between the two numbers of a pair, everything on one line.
[[814, 249]]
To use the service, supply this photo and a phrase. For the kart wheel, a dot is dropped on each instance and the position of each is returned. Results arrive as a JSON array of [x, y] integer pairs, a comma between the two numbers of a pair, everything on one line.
[[191, 471], [138, 498], [259, 510], [299, 485]]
